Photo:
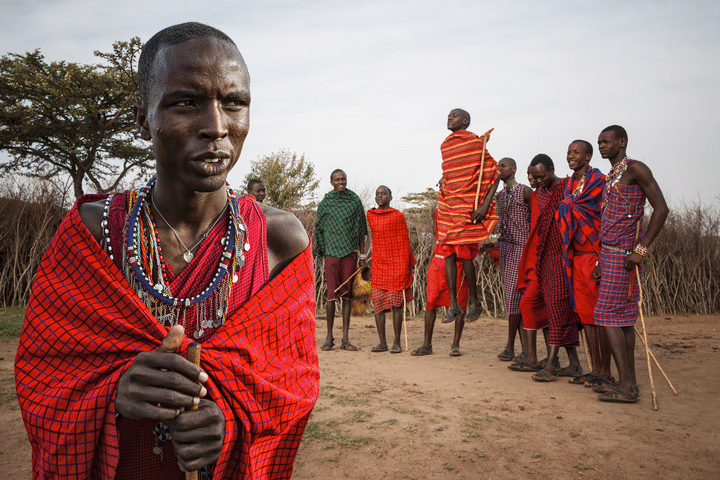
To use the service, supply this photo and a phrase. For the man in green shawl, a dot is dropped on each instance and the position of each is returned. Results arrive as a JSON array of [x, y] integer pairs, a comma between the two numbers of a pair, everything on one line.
[[340, 233]]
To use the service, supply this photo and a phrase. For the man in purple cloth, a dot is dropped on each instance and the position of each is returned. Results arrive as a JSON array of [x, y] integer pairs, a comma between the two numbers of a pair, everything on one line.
[[623, 247], [513, 203]]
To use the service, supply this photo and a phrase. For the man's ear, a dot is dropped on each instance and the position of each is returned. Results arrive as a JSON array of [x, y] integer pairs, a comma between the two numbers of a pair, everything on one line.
[[141, 119], [623, 142]]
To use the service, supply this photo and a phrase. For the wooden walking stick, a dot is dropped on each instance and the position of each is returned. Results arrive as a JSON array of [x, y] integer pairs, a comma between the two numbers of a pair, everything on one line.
[[657, 364], [482, 171], [193, 357], [585, 347], [647, 350], [405, 322]]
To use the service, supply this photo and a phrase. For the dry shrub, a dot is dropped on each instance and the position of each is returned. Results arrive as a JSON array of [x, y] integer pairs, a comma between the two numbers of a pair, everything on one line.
[[30, 212], [682, 272]]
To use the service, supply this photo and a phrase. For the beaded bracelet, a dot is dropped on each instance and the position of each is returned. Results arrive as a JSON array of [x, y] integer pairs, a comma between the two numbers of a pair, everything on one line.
[[362, 256], [640, 250]]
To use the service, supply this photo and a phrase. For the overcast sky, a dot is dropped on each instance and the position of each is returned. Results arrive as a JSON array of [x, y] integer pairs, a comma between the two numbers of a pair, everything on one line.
[[366, 86]]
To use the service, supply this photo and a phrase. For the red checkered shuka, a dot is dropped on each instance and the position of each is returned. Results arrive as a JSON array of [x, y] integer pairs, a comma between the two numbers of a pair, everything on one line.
[[84, 326], [392, 257], [462, 168], [528, 260]]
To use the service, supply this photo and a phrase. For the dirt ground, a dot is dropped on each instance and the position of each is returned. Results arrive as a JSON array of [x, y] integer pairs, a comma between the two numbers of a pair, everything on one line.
[[396, 416]]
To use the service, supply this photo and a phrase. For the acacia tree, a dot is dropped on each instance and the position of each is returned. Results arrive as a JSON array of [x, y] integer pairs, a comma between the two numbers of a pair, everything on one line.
[[73, 119], [288, 179]]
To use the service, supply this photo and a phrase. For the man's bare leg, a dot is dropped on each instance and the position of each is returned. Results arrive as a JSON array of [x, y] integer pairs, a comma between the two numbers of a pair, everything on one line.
[[330, 316], [451, 275], [346, 309], [380, 324], [514, 326], [459, 325], [397, 326], [592, 335], [617, 340], [531, 347], [605, 355], [426, 347], [473, 311]]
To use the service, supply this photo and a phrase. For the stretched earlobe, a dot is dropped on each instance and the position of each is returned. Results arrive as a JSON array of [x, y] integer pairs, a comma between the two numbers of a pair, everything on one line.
[[141, 119]]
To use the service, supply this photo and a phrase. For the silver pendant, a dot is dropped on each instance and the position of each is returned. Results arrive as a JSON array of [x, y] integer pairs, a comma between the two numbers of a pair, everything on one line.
[[235, 279], [157, 450], [188, 256], [246, 247]]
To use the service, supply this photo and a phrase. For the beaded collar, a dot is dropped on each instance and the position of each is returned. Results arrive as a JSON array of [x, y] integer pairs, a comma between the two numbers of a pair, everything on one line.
[[144, 267]]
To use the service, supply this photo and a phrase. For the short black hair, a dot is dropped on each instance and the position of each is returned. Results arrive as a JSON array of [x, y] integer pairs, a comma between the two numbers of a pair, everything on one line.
[[464, 113], [386, 188], [336, 171], [172, 36], [511, 161], [544, 159], [619, 131], [588, 146], [253, 182]]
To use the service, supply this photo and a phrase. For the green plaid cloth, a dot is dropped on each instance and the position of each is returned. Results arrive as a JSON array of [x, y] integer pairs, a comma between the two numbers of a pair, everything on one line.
[[340, 225]]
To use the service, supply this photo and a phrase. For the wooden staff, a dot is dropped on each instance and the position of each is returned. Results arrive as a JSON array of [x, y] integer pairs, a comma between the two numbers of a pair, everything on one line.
[[647, 350], [657, 364], [407, 348], [482, 172], [631, 286], [585, 346], [193, 356], [354, 273]]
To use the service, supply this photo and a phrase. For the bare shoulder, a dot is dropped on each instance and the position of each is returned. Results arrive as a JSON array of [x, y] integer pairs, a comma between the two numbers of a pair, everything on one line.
[[286, 238], [639, 173], [91, 213]]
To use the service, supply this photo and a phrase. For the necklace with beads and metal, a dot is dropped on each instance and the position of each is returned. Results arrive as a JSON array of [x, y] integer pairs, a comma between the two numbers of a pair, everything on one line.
[[145, 268]]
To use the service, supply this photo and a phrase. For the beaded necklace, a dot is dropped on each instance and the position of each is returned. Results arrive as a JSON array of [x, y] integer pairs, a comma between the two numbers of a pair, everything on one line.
[[579, 188], [145, 268], [613, 177]]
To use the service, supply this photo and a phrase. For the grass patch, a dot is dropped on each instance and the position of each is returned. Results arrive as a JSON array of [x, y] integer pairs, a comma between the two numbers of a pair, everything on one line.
[[11, 321], [344, 400], [331, 433], [394, 407]]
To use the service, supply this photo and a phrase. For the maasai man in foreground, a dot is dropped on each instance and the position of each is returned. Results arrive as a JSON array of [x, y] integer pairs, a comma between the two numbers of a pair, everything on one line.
[[438, 295], [461, 224], [340, 232], [623, 247], [131, 279], [532, 306], [579, 216], [513, 203], [549, 268], [256, 188], [392, 266]]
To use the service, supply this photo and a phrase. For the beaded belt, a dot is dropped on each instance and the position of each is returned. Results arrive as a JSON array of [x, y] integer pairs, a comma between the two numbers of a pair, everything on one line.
[[615, 249]]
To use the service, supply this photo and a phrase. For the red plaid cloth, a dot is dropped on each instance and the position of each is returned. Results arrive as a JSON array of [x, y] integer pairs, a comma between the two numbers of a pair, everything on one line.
[[562, 318], [462, 168], [623, 210], [579, 217], [392, 256], [385, 300], [528, 260], [84, 326]]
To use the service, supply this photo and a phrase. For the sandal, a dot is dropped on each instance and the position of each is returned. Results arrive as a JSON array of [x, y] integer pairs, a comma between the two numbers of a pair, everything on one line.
[[395, 349], [618, 396], [598, 382], [569, 372], [455, 352], [543, 376], [348, 346], [328, 345], [420, 351], [452, 314], [582, 379], [380, 347], [506, 355], [524, 367], [519, 358], [472, 314]]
